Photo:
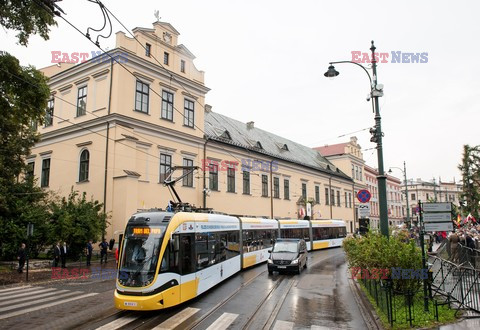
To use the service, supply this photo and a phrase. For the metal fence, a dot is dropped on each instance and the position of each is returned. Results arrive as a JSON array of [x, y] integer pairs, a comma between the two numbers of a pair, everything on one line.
[[457, 280], [402, 308]]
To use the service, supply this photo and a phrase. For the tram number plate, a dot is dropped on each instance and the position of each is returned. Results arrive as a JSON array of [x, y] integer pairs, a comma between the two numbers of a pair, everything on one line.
[[282, 267], [130, 303]]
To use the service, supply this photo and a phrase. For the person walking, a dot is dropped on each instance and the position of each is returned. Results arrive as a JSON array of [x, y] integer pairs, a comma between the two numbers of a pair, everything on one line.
[[454, 240], [103, 250], [21, 258], [56, 254], [89, 252], [63, 254]]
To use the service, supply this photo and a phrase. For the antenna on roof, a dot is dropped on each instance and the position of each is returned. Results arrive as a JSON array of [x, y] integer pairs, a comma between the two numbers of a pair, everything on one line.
[[156, 13]]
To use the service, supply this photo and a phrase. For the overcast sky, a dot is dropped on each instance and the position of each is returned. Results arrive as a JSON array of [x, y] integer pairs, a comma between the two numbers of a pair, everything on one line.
[[264, 61]]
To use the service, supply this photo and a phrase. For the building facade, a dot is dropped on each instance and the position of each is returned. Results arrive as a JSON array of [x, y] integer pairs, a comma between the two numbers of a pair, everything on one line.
[[348, 157], [116, 130], [396, 211]]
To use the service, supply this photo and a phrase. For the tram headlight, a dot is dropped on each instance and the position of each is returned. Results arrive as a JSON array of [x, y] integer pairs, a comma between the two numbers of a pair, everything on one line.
[[294, 262]]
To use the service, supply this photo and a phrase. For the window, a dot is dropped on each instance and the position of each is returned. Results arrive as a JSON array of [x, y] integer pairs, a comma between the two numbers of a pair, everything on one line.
[[84, 166], [148, 49], [165, 166], [141, 97], [188, 113], [213, 176], [182, 66], [346, 199], [353, 171], [49, 113], [82, 101], [167, 105], [165, 58], [317, 194], [304, 191], [332, 197], [350, 200], [30, 170], [45, 179], [276, 188], [286, 189], [413, 197], [264, 185], [361, 175], [246, 182], [231, 179], [327, 200], [338, 198], [188, 180]]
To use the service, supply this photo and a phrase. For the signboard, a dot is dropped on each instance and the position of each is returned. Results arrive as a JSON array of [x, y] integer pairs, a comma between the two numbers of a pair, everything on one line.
[[437, 217], [439, 226], [364, 196], [364, 210], [309, 209], [437, 207]]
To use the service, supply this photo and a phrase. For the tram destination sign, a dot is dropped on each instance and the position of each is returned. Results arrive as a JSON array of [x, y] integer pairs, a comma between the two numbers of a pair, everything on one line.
[[437, 207]]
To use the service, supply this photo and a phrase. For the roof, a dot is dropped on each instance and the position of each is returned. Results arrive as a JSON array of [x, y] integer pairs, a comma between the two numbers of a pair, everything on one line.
[[230, 131], [334, 149]]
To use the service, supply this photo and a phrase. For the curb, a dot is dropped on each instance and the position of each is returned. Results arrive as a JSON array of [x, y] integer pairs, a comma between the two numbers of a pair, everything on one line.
[[366, 309]]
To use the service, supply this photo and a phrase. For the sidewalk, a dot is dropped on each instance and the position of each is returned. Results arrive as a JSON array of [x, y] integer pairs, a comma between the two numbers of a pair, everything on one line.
[[44, 274]]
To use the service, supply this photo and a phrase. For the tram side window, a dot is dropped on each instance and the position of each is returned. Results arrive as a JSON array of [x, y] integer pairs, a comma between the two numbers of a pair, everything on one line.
[[233, 245], [247, 240], [306, 235], [342, 232], [201, 249], [219, 248], [170, 261]]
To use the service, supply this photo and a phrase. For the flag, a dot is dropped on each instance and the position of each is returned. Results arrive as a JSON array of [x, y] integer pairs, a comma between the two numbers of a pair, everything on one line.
[[459, 219]]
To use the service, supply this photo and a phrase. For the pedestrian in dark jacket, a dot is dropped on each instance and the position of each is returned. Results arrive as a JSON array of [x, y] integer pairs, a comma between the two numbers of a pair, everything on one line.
[[56, 254], [21, 257], [103, 251], [63, 254], [89, 252]]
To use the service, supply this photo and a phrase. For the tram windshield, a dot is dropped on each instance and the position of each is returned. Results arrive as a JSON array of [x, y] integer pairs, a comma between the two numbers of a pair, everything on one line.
[[139, 259]]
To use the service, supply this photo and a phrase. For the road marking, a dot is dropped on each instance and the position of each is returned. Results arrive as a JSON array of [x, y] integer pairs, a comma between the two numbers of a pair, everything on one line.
[[283, 325], [223, 321], [34, 302], [14, 295], [28, 310], [177, 319], [15, 289], [32, 297], [118, 323]]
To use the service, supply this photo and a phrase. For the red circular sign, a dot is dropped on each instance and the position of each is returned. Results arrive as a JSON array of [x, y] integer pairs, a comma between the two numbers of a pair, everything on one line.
[[364, 196]]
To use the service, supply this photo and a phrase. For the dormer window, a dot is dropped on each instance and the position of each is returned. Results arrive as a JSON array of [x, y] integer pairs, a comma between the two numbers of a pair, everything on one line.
[[148, 49], [226, 135], [258, 145], [182, 66], [285, 147]]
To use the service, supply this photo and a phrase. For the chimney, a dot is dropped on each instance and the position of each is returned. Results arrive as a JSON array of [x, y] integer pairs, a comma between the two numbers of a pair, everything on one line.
[[250, 124], [208, 108]]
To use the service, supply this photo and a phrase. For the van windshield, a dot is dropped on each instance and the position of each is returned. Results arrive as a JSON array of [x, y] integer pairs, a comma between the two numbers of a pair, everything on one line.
[[285, 247]]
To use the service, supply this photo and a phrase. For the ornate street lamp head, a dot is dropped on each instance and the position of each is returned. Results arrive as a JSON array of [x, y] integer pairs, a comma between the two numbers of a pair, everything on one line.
[[331, 73]]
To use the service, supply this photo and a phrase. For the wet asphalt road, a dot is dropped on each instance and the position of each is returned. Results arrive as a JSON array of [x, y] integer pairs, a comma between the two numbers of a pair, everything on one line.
[[318, 298]]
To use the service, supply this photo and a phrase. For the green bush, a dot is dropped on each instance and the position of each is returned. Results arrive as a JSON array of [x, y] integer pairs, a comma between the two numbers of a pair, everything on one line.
[[376, 252]]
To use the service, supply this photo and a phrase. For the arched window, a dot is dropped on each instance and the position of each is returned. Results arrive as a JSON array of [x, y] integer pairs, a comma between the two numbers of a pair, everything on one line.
[[84, 165]]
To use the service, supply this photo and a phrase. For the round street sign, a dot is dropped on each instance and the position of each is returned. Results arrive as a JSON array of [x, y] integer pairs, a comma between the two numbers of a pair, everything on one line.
[[364, 196]]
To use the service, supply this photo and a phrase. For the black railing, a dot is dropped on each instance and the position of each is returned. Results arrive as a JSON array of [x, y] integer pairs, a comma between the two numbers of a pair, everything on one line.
[[457, 281]]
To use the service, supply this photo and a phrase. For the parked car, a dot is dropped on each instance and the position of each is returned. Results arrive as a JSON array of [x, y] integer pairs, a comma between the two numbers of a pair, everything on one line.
[[288, 255]]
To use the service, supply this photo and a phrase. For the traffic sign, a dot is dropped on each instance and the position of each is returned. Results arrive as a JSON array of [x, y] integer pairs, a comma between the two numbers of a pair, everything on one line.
[[364, 196], [437, 207], [437, 217], [364, 210], [439, 226]]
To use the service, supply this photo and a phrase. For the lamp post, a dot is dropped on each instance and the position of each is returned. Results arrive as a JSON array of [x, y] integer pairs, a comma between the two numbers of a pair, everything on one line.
[[376, 91], [404, 171]]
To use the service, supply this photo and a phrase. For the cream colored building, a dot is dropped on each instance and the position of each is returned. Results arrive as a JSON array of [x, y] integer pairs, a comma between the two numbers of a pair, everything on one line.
[[115, 130]]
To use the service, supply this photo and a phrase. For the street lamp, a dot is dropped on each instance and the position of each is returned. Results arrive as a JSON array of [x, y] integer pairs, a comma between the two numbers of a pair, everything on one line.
[[376, 91], [404, 171]]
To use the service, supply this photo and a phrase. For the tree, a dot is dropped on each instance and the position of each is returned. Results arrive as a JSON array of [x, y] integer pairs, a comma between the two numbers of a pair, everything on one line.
[[470, 168], [27, 17], [23, 99], [75, 220]]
